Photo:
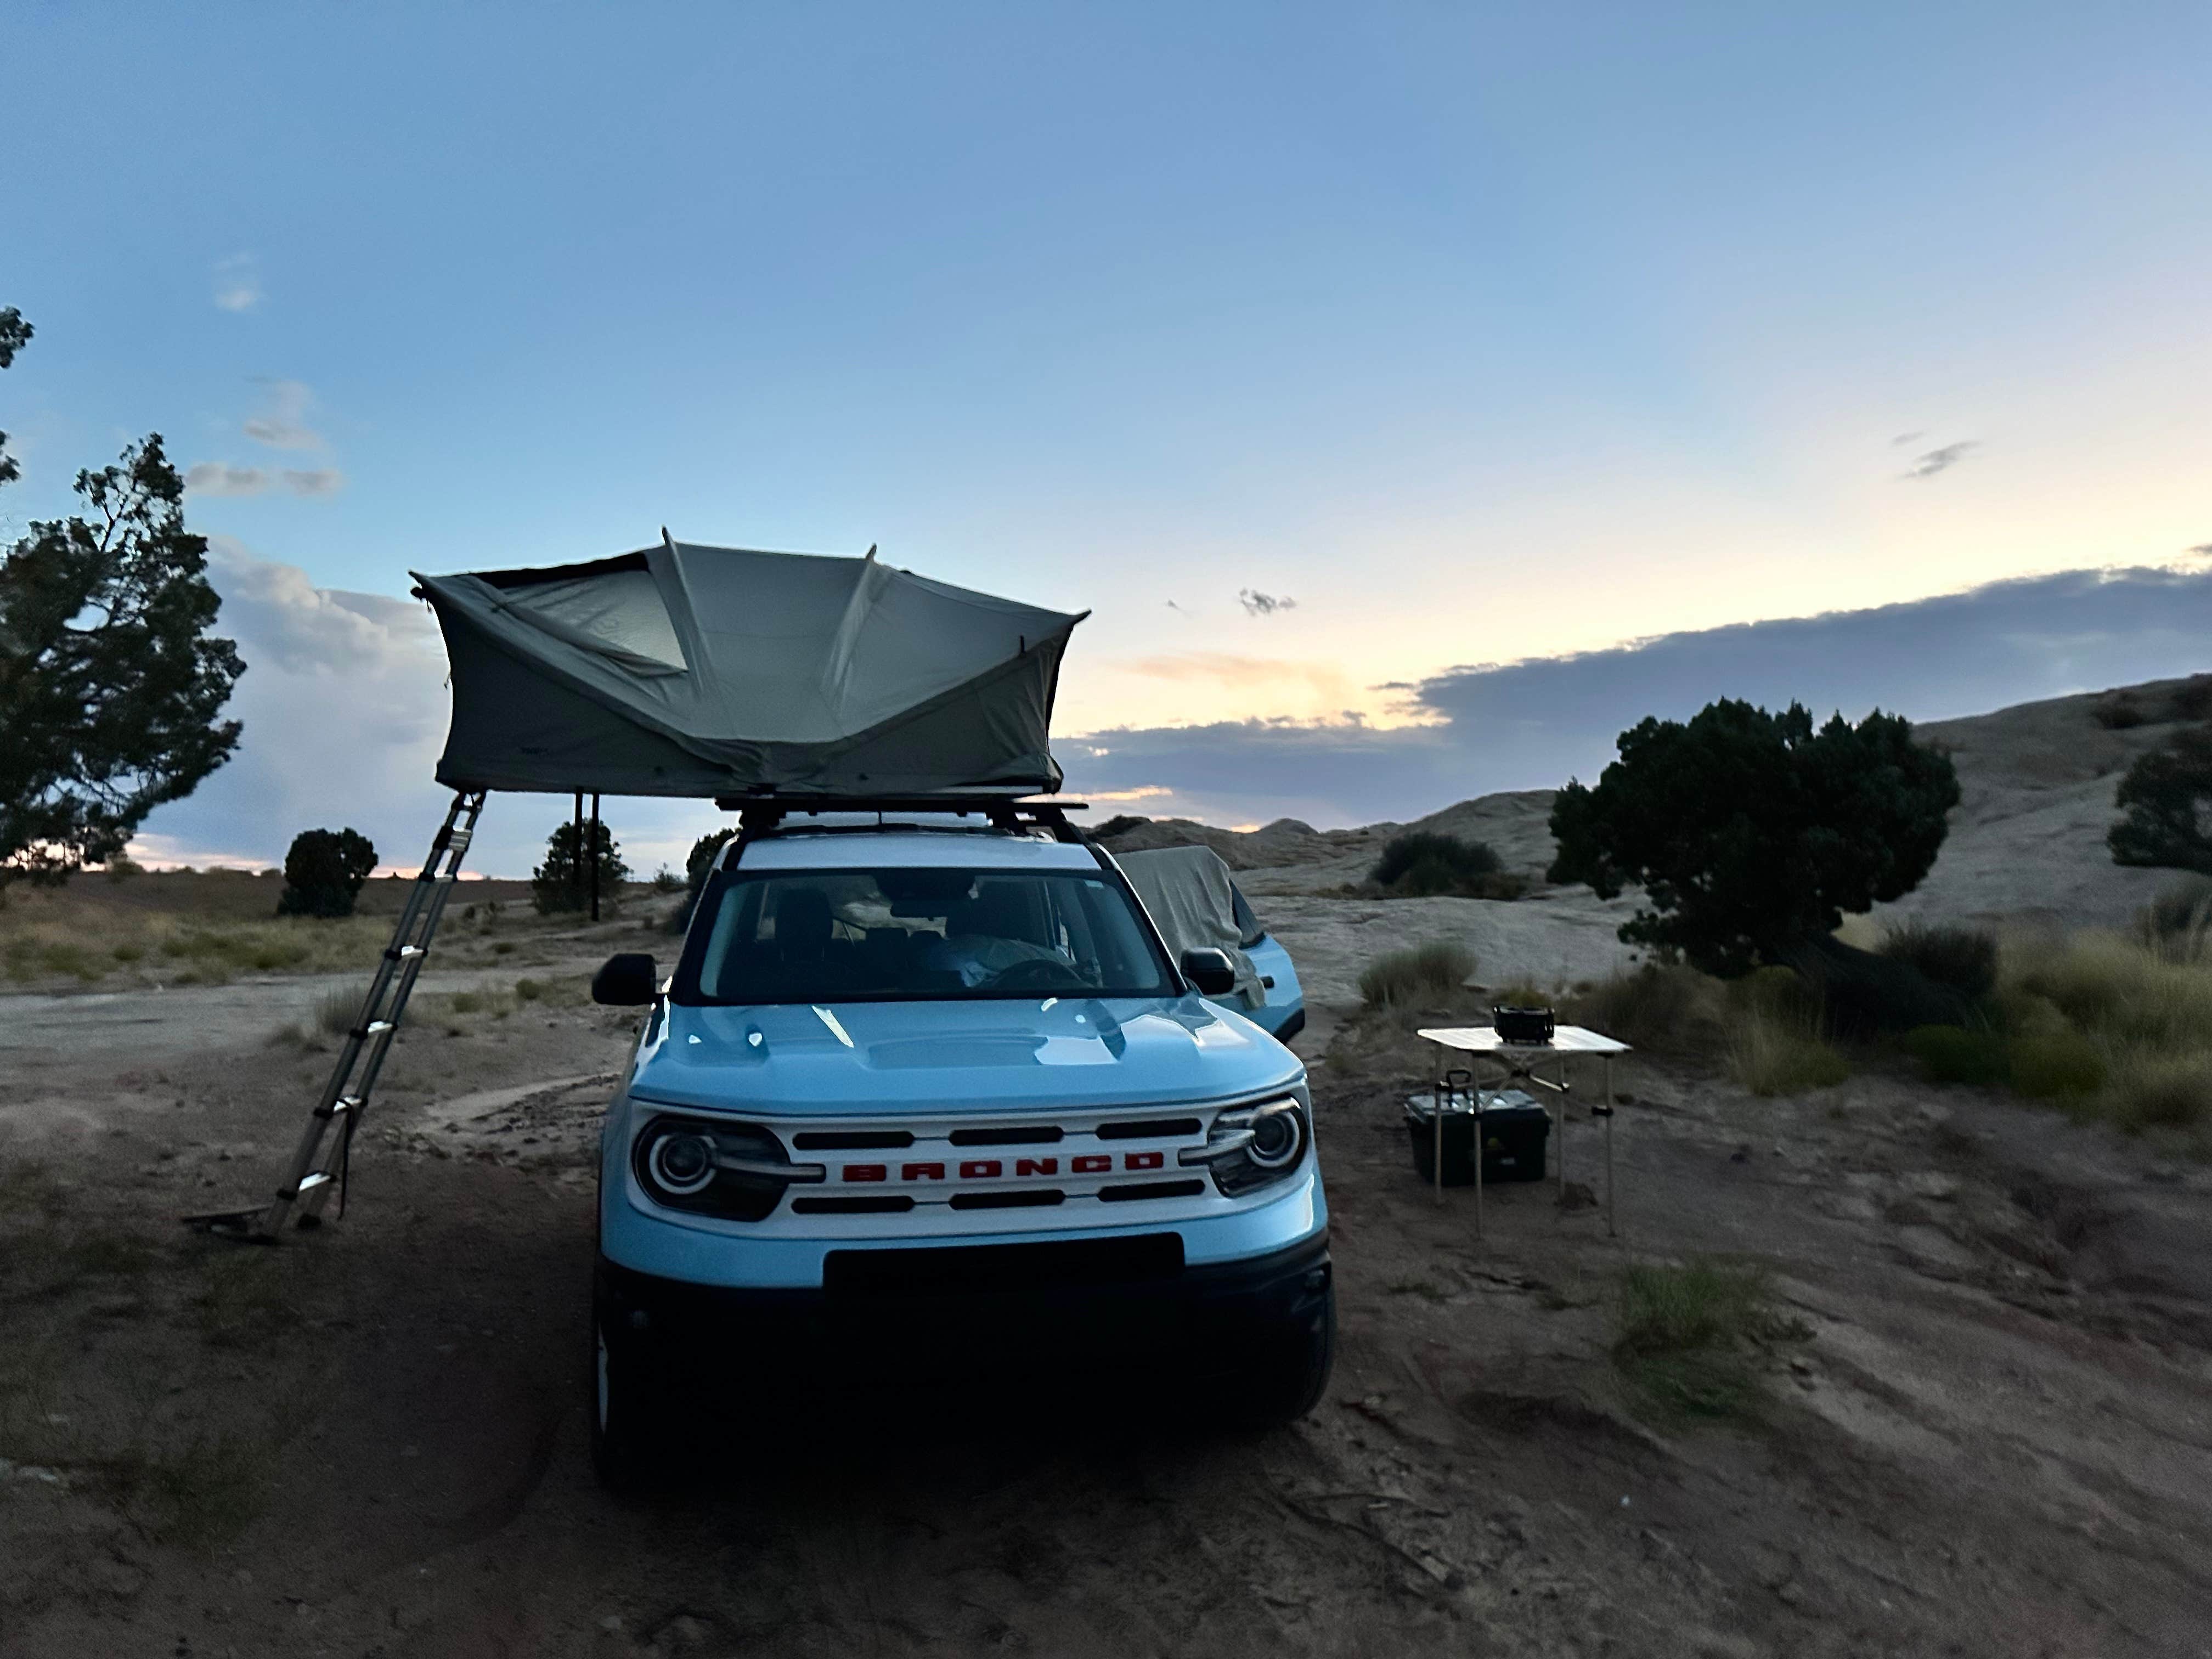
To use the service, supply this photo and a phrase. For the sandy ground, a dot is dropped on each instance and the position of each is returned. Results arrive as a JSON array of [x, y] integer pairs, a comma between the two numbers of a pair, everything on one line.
[[1996, 1439]]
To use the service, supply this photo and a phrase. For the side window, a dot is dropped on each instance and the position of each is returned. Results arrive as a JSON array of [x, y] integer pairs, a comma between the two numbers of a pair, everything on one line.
[[1249, 932]]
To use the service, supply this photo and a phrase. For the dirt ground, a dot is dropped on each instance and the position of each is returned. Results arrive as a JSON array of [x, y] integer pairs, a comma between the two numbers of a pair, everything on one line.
[[1994, 1437]]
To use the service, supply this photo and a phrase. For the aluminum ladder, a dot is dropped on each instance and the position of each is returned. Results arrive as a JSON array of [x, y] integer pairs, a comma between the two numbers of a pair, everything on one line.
[[326, 1145]]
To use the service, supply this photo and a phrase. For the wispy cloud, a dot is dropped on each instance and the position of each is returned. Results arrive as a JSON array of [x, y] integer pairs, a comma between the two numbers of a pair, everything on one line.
[[283, 425], [238, 283], [1941, 460], [1257, 603], [1905, 438], [219, 478]]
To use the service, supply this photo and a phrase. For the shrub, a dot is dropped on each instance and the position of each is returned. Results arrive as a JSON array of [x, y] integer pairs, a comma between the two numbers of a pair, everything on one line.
[[122, 869], [1770, 1056], [336, 1011], [1860, 995], [2117, 712], [2166, 801], [1689, 1338], [1948, 1054], [1421, 864], [2178, 923], [1429, 973], [2055, 1065], [1666, 1007], [1120, 824], [2164, 1091], [665, 880], [323, 872], [1962, 959], [2192, 700], [1750, 832]]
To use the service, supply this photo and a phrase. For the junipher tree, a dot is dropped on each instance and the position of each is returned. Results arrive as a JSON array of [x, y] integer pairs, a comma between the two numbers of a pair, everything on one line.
[[2166, 801], [563, 881], [110, 686], [1751, 833], [323, 872]]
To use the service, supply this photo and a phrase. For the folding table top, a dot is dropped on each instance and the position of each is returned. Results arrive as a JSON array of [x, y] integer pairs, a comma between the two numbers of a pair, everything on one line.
[[1484, 1039]]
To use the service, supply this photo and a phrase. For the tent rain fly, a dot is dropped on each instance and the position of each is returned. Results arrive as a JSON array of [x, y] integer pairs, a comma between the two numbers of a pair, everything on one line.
[[691, 671]]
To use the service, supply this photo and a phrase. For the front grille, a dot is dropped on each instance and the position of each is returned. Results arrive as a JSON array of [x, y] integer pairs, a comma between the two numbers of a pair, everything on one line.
[[1019, 1199], [1022, 1135], [1131, 1192]]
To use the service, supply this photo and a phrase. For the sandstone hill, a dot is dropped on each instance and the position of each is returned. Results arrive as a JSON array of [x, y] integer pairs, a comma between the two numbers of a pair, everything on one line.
[[2027, 846]]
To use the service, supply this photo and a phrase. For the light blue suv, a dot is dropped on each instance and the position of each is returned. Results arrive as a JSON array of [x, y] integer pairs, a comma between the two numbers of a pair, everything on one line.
[[918, 1080], [1282, 1015]]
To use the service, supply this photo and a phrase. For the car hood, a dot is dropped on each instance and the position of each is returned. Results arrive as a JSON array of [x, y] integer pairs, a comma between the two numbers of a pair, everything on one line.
[[849, 1058]]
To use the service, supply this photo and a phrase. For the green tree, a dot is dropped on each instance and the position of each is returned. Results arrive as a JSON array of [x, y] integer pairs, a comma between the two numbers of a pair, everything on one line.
[[110, 687], [323, 872], [1751, 833], [564, 883], [2166, 802]]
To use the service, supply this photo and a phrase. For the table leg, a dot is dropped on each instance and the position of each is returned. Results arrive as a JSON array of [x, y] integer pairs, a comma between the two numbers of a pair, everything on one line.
[[1561, 1113], [1436, 1118], [1611, 1230], [1477, 1115]]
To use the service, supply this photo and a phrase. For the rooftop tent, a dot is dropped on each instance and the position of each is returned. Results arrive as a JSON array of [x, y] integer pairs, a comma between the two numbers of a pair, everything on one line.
[[683, 670]]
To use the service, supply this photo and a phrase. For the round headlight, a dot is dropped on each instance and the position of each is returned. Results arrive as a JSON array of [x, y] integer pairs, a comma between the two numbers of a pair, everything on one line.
[[682, 1162], [1276, 1139]]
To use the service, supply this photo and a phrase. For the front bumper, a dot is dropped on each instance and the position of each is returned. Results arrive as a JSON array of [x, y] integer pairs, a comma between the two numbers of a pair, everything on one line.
[[1034, 1303]]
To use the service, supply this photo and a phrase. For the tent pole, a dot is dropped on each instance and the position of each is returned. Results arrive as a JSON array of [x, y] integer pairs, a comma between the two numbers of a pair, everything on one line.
[[595, 855], [576, 854]]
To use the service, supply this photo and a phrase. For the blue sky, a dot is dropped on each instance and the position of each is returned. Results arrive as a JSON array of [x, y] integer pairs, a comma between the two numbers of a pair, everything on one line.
[[1484, 333]]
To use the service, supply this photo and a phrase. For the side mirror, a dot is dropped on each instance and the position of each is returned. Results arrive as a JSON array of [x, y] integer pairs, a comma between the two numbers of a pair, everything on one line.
[[628, 981], [1211, 971]]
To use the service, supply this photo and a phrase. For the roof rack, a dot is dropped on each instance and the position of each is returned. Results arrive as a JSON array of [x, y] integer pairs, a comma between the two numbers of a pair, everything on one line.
[[761, 813]]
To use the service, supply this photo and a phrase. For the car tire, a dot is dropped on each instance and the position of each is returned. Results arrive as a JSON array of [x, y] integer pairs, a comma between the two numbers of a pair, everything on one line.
[[1290, 1380], [624, 1414]]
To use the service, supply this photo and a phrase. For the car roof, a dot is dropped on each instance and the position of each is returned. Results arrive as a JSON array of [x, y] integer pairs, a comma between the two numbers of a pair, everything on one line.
[[871, 848]]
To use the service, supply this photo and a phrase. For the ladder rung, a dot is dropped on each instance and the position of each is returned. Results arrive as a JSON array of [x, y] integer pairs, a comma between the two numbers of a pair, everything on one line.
[[308, 1183], [340, 1106], [405, 951], [376, 1026]]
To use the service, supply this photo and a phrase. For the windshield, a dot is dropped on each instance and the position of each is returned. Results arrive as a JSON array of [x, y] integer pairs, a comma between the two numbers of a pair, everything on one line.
[[915, 934]]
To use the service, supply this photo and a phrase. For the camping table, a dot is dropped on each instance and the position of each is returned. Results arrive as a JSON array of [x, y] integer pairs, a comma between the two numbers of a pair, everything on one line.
[[1519, 1061]]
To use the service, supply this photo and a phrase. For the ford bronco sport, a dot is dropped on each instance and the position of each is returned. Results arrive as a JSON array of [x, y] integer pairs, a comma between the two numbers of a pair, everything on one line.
[[929, 1076]]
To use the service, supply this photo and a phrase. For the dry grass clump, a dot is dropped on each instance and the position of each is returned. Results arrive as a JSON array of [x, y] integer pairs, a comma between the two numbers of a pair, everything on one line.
[[1693, 1340], [1669, 1009], [2115, 1028], [1424, 975], [1773, 1036]]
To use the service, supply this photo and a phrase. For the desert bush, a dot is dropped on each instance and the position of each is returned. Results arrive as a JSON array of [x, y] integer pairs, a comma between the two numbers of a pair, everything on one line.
[[1862, 994], [1691, 1339], [665, 880], [1669, 1008], [1772, 1035], [1422, 864], [1962, 959], [2166, 801], [2178, 924], [2118, 991], [2117, 712], [2055, 1065], [1424, 974], [2148, 1090], [1120, 824], [336, 1011], [122, 869], [1770, 1056], [2192, 699], [324, 872], [1949, 1054]]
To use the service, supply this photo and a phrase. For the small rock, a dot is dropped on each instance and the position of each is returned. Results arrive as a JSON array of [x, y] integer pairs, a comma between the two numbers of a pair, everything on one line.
[[1740, 1155], [1576, 1195], [1803, 1367]]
